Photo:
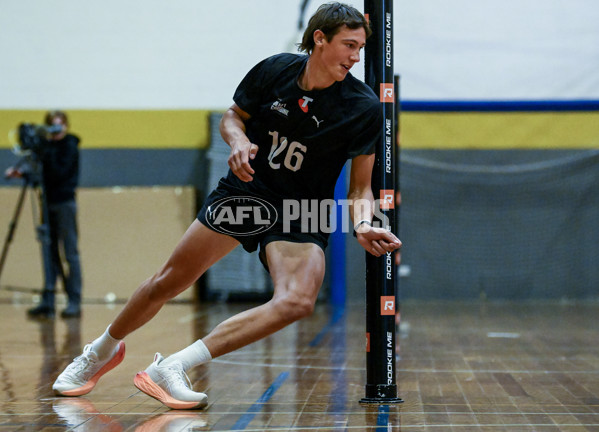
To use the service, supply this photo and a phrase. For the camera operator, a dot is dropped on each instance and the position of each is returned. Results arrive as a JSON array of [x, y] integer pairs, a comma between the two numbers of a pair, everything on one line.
[[59, 157]]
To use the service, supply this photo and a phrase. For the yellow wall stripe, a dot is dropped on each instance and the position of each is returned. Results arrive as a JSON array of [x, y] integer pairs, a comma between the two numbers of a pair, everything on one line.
[[123, 128], [172, 129], [499, 130]]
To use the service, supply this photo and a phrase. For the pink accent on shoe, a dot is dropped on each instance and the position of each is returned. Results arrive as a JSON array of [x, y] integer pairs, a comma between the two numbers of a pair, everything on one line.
[[88, 386], [143, 382]]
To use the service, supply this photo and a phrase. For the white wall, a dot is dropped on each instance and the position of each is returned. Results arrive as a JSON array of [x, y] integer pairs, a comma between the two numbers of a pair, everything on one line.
[[134, 54], [498, 49]]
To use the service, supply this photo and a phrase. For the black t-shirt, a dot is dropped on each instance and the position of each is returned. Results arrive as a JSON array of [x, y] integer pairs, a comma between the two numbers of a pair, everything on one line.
[[304, 137], [60, 161]]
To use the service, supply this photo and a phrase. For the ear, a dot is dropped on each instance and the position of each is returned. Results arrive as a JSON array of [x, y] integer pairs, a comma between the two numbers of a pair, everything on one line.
[[319, 38]]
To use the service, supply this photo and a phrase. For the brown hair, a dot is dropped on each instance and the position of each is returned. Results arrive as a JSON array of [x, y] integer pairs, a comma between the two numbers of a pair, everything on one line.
[[329, 18], [51, 115]]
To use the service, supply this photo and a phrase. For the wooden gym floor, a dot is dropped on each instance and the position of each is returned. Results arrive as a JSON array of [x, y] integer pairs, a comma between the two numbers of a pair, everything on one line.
[[461, 367]]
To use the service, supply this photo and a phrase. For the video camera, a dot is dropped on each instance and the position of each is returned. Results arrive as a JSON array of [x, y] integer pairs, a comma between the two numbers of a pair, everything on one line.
[[31, 137]]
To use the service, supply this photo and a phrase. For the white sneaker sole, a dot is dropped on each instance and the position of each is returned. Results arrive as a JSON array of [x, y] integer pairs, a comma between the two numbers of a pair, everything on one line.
[[143, 382]]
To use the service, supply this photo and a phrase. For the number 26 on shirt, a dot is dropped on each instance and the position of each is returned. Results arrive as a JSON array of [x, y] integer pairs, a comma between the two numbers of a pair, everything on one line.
[[293, 153]]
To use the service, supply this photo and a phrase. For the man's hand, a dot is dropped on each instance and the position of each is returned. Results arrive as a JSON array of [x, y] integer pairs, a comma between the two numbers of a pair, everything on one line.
[[13, 173], [239, 159], [377, 241], [232, 129]]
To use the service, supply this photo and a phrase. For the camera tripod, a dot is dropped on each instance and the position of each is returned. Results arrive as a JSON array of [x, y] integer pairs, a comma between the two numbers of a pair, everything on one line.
[[42, 229]]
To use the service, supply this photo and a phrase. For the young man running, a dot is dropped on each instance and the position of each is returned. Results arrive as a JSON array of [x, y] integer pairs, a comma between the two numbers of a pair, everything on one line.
[[295, 121]]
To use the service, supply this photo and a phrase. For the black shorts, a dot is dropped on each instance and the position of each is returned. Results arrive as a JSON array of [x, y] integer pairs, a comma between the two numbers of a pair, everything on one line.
[[252, 220]]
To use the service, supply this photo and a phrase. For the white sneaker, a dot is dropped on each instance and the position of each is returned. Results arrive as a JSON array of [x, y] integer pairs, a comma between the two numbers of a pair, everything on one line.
[[81, 376], [170, 385]]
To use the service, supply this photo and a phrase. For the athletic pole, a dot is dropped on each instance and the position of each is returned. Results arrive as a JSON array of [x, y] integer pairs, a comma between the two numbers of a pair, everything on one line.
[[381, 272]]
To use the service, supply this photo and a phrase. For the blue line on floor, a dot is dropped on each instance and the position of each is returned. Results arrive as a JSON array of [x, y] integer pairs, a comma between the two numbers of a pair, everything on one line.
[[382, 420], [245, 419], [337, 314]]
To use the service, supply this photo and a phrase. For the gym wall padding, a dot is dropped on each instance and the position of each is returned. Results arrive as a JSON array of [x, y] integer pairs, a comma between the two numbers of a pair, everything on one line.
[[125, 235], [502, 224], [500, 199]]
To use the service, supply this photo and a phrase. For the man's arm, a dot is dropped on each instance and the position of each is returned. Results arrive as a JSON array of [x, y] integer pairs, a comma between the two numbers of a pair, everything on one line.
[[377, 241], [232, 129]]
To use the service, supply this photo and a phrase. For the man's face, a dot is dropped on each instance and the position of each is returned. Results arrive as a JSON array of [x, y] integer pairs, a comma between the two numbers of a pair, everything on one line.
[[57, 121], [343, 51]]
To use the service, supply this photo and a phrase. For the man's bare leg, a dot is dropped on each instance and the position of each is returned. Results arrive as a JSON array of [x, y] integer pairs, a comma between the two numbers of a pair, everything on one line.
[[297, 270], [199, 249]]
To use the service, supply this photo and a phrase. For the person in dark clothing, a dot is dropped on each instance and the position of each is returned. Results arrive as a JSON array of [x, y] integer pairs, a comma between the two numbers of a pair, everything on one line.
[[59, 156]]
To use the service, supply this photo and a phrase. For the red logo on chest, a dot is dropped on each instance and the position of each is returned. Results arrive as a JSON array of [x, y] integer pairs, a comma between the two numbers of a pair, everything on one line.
[[303, 103]]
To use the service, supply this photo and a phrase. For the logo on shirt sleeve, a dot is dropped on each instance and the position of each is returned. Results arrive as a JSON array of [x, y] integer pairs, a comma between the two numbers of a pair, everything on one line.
[[280, 108]]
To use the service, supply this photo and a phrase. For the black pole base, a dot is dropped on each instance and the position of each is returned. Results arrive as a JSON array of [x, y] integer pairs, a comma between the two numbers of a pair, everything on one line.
[[381, 394], [379, 401]]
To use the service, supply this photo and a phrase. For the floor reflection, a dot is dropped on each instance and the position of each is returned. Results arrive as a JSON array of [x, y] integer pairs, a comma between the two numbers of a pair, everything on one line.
[[75, 412], [174, 421], [54, 360]]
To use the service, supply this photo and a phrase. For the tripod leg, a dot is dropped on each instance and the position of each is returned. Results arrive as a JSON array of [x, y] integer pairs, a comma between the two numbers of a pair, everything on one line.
[[12, 226], [46, 306]]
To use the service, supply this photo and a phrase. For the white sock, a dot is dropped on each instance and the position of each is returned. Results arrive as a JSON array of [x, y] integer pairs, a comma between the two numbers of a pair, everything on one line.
[[105, 345], [195, 354]]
